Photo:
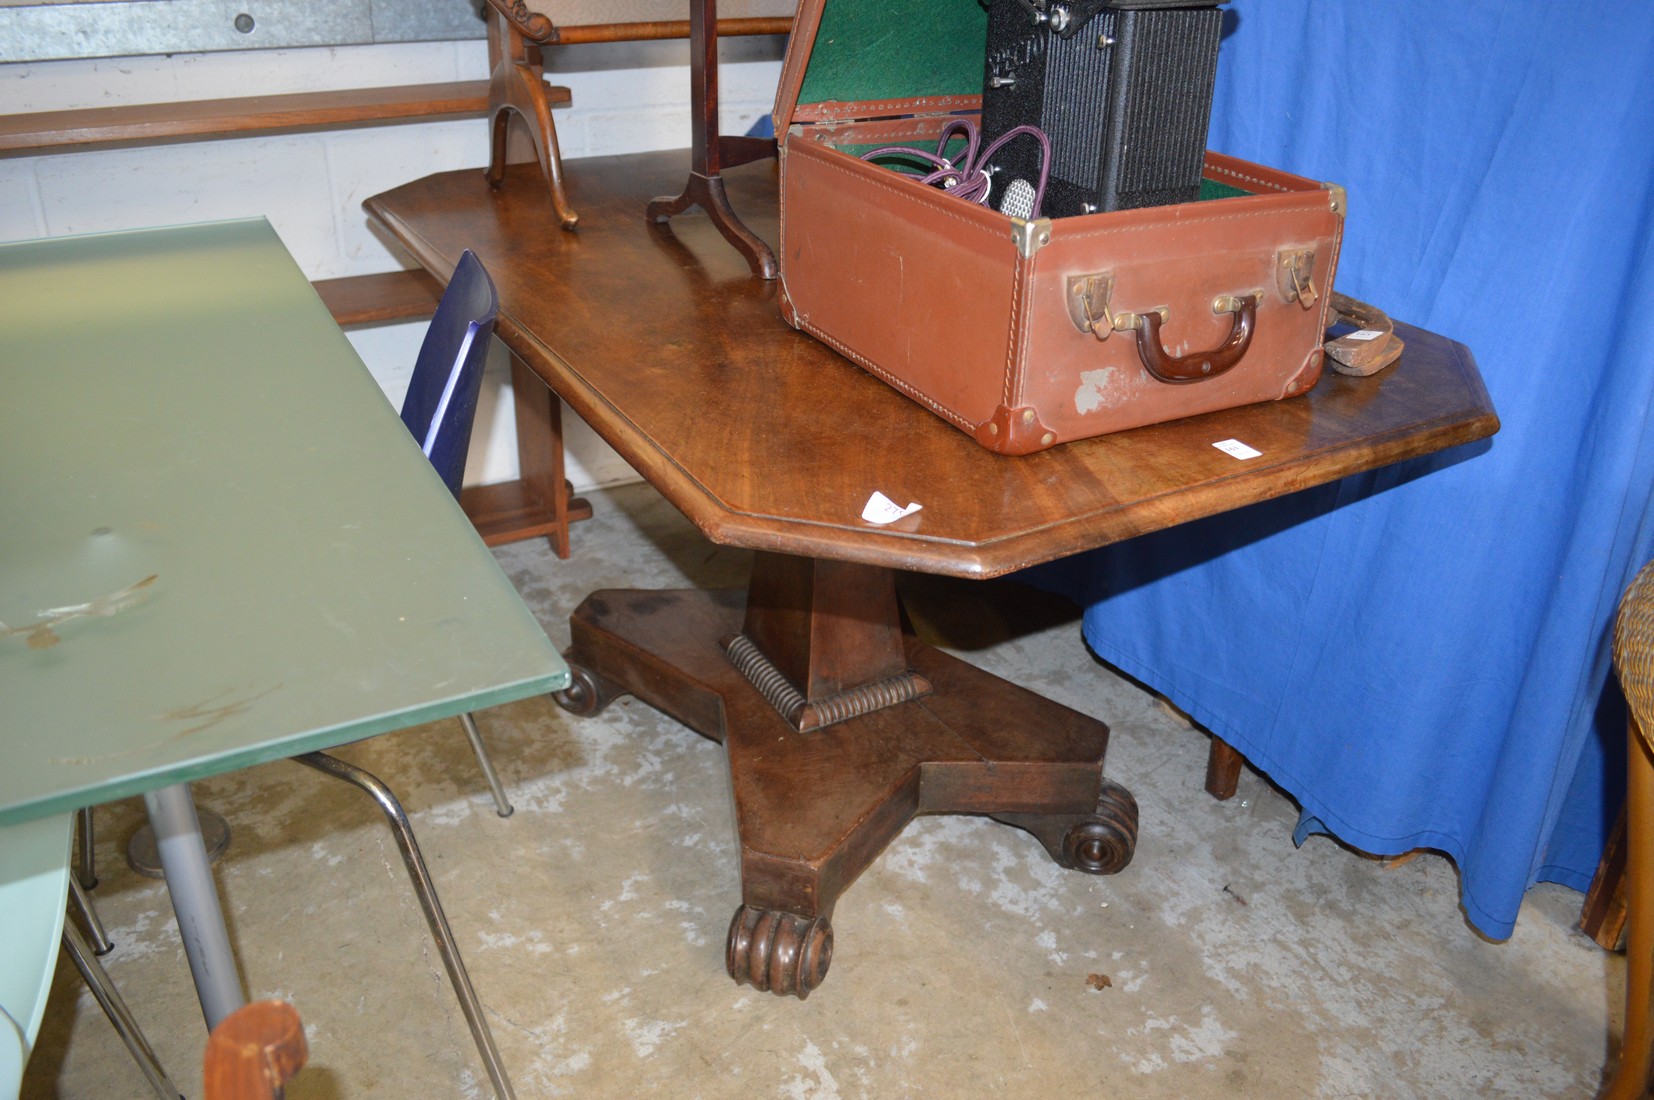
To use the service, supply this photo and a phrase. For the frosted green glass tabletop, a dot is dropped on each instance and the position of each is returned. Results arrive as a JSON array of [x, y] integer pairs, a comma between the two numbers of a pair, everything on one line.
[[218, 544]]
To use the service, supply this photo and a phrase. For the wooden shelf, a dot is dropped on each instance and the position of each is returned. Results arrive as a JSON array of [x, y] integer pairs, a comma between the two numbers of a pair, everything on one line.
[[374, 299], [510, 511], [44, 131]]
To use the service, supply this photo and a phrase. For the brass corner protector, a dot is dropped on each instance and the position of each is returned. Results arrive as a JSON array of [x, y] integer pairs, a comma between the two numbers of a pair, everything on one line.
[[1338, 200], [1030, 236]]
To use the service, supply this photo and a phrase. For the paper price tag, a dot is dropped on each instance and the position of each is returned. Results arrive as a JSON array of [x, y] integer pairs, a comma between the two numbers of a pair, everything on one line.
[[1364, 334], [1236, 449], [881, 510]]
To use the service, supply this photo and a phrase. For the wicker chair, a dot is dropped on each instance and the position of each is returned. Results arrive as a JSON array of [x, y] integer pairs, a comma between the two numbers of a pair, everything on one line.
[[519, 29], [1634, 660]]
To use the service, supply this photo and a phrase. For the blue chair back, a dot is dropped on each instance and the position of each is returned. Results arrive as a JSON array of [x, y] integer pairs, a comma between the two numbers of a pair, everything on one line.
[[442, 396]]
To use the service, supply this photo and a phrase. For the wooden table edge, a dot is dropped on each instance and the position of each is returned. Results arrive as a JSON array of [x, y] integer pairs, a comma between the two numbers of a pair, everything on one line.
[[984, 560]]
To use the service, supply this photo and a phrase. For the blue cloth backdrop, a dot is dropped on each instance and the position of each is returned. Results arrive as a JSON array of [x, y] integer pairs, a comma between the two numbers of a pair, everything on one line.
[[1420, 656]]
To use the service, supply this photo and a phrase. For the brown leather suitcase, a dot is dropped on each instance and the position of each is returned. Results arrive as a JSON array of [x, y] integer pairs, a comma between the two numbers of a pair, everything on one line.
[[1028, 333]]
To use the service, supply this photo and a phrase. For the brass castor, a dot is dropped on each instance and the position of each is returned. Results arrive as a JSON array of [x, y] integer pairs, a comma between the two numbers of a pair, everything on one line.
[[778, 952], [587, 693]]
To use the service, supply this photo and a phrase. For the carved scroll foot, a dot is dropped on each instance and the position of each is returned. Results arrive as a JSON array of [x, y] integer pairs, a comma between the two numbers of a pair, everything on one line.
[[778, 952], [1100, 843], [587, 693]]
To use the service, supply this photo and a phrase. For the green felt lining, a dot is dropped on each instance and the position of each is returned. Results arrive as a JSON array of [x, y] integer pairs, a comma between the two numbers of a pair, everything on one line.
[[896, 49], [1212, 189]]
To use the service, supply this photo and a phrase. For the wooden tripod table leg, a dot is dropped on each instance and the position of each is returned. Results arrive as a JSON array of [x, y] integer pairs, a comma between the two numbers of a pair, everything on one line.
[[710, 152], [814, 808], [707, 192]]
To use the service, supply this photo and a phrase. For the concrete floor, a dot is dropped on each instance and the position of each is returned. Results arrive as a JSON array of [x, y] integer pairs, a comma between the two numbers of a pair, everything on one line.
[[967, 963]]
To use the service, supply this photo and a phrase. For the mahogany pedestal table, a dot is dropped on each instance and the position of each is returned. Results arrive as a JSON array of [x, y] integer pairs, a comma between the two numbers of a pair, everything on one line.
[[839, 725]]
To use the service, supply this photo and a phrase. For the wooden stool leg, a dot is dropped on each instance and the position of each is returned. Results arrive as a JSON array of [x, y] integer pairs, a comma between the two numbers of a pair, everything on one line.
[[1631, 1079], [561, 490], [1223, 768], [540, 450], [540, 501]]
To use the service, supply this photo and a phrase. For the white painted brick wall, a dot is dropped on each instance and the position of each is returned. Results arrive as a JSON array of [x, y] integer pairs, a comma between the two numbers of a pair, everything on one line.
[[627, 98]]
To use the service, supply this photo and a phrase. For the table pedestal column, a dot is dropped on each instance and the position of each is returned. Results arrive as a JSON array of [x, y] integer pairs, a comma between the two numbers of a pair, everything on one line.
[[841, 727], [195, 901]]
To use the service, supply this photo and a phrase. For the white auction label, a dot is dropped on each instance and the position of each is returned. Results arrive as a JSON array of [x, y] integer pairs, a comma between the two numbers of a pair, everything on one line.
[[881, 509], [1364, 334], [1235, 448]]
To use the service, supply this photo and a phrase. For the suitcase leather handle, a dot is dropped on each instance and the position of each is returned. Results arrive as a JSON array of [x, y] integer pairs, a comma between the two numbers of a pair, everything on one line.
[[1197, 366]]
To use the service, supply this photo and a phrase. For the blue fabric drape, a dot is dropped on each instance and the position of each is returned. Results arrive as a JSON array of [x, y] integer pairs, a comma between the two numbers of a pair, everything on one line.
[[1419, 656]]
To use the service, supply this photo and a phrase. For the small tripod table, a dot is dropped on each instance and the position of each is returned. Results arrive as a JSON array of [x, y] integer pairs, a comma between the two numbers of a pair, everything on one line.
[[840, 726]]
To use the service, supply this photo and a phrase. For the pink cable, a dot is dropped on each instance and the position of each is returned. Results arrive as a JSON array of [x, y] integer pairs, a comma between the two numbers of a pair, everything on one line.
[[967, 176]]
